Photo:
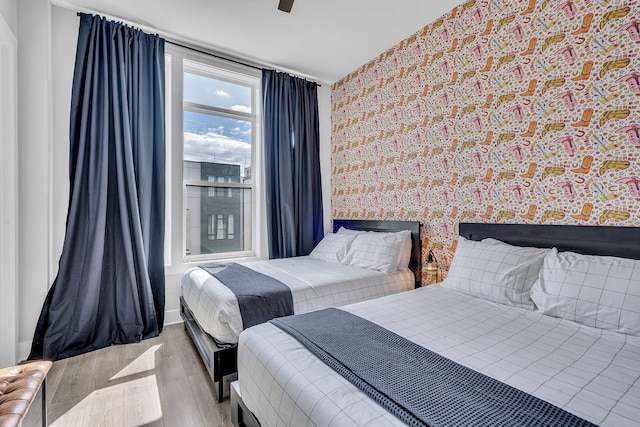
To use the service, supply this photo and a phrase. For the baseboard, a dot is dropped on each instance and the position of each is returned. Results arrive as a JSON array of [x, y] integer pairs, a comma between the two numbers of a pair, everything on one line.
[[172, 317]]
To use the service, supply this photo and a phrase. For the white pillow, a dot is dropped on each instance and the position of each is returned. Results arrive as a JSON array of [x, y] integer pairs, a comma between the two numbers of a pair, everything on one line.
[[405, 252], [343, 230], [375, 251], [495, 241], [332, 248], [495, 271], [598, 291]]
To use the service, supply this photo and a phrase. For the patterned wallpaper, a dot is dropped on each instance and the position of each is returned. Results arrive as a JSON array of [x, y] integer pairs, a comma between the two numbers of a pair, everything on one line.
[[501, 111]]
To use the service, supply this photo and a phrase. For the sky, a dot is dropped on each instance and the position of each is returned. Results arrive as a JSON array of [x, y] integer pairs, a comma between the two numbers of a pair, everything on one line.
[[211, 138]]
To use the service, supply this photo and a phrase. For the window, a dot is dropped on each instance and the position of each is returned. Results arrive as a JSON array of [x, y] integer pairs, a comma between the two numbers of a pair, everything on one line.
[[212, 191], [230, 229], [215, 140], [212, 227], [220, 227], [220, 190]]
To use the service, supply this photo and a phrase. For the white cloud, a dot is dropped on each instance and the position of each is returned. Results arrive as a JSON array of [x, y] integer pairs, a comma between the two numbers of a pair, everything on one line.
[[212, 147], [241, 108], [222, 94]]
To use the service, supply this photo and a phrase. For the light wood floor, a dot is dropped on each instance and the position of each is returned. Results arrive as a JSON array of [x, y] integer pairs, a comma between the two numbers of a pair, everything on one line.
[[158, 382]]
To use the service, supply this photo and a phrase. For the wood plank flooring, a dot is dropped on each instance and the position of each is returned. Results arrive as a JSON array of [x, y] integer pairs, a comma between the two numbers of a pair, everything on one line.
[[158, 382]]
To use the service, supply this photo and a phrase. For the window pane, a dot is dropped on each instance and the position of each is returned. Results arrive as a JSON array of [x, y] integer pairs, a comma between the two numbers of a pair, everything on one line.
[[217, 224], [216, 93], [220, 191], [212, 139], [219, 119], [211, 230], [230, 233], [221, 227], [212, 191]]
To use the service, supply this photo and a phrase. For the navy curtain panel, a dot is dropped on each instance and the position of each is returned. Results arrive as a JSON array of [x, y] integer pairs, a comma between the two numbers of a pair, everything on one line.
[[110, 284], [292, 164]]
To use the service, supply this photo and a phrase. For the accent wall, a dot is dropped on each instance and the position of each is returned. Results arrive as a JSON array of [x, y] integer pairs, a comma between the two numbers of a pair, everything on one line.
[[502, 111]]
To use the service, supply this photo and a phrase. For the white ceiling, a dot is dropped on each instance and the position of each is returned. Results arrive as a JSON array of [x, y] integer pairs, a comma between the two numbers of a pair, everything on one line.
[[321, 39]]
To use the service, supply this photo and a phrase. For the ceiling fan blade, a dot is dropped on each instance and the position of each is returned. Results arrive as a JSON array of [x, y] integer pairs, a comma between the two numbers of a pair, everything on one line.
[[285, 5]]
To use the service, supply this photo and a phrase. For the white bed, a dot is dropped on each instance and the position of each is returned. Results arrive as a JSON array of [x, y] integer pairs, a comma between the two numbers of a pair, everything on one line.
[[211, 312], [593, 373], [314, 284]]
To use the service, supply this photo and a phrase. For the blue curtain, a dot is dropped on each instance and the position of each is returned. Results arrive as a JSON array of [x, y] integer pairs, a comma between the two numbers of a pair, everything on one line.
[[110, 284], [292, 164]]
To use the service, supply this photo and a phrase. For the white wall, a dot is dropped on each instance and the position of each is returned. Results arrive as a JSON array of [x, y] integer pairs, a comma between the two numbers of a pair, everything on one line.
[[47, 42], [64, 31], [34, 163], [9, 11], [8, 192]]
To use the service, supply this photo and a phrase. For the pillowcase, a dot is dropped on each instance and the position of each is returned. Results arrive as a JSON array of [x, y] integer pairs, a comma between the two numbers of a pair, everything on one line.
[[598, 291], [332, 247], [375, 251], [405, 252], [495, 241], [343, 230], [495, 271]]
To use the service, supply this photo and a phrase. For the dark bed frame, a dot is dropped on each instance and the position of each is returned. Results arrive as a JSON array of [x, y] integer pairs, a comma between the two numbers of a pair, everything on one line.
[[222, 359], [589, 240]]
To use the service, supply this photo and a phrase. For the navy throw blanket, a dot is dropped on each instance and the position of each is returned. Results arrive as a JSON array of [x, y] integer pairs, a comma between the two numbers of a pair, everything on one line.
[[418, 386], [260, 297]]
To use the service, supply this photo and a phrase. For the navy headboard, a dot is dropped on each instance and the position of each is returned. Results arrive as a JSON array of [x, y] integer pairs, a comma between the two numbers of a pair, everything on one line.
[[415, 264], [585, 239]]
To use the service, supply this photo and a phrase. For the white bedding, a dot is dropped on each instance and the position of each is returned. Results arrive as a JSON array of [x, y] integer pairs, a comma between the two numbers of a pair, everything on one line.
[[314, 285], [592, 373]]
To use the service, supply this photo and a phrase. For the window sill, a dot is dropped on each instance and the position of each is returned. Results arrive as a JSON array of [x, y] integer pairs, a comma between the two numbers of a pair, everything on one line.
[[194, 261]]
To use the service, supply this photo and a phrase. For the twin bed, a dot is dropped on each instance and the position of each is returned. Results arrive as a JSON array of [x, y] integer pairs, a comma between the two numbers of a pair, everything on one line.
[[212, 314], [570, 339]]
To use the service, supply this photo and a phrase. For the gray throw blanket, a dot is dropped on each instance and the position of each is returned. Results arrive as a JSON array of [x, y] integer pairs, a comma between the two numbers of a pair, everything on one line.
[[260, 297], [418, 386]]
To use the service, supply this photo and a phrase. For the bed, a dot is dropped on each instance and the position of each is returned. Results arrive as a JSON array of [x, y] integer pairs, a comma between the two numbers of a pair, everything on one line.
[[212, 315], [589, 372]]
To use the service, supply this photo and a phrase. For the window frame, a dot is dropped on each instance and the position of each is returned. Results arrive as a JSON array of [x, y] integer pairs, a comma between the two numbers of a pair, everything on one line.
[[185, 60]]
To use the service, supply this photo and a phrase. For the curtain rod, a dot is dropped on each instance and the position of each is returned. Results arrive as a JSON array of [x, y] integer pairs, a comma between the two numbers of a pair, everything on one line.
[[169, 37], [212, 54], [235, 61]]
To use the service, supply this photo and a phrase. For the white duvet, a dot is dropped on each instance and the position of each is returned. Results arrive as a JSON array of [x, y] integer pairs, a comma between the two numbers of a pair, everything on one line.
[[592, 373], [314, 285]]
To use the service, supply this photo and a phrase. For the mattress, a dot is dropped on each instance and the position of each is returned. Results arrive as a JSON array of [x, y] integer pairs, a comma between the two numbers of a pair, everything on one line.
[[314, 285], [589, 372]]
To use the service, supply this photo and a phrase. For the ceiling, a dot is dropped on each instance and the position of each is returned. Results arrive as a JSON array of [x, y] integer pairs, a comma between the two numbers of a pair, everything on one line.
[[323, 40]]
